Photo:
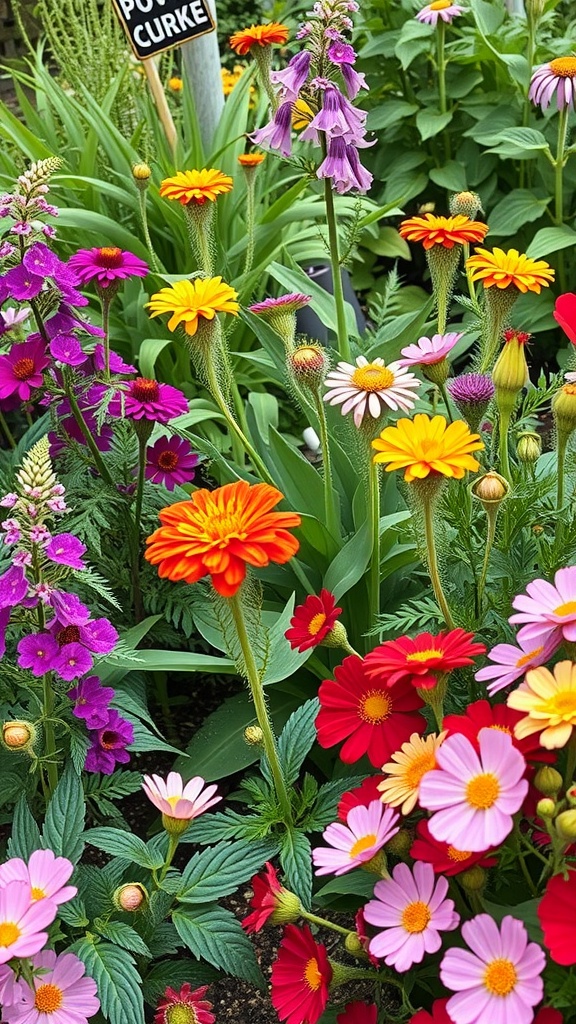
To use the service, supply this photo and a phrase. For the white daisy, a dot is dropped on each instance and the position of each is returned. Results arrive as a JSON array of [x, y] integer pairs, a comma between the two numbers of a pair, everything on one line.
[[370, 386]]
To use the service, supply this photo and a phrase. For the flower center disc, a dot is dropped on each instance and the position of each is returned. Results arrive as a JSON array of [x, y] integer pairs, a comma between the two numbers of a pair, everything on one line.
[[316, 623], [563, 703], [375, 707], [569, 389], [440, 5], [145, 390], [108, 739], [415, 917], [225, 528], [23, 368], [420, 766], [48, 998], [424, 655], [528, 657], [483, 791], [500, 977], [168, 460], [457, 855], [181, 1014], [37, 894], [563, 67], [312, 975], [365, 843], [372, 378], [9, 932], [307, 358], [68, 635], [568, 608], [110, 257]]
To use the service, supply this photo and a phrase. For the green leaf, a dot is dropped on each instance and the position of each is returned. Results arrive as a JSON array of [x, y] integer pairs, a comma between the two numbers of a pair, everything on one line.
[[350, 563], [452, 176], [296, 861], [265, 408], [517, 208], [295, 280], [125, 845], [118, 981], [64, 822], [431, 122], [388, 243], [520, 142], [74, 913], [355, 883], [175, 973], [549, 240], [489, 16], [25, 837], [388, 113], [218, 870], [296, 739], [415, 39], [121, 934], [301, 483], [215, 935], [525, 912]]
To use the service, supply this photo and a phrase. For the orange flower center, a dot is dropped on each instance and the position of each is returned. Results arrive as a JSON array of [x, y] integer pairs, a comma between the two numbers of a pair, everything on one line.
[[563, 67], [168, 460], [110, 257], [569, 389], [569, 607], [23, 368], [457, 855], [501, 728], [68, 635], [307, 357], [316, 623], [365, 843], [37, 894], [416, 916], [440, 5], [500, 977], [375, 707], [528, 657], [312, 975], [48, 998], [145, 390], [424, 655], [9, 932], [421, 764], [483, 791], [372, 378], [562, 703]]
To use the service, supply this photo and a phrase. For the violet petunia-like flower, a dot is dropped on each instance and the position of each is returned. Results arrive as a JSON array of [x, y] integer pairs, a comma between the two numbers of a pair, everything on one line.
[[68, 609], [109, 745], [91, 701], [106, 266], [37, 652], [66, 349], [13, 587], [77, 644], [66, 549], [342, 164], [293, 77], [278, 132], [21, 369], [170, 461], [557, 77], [23, 284], [147, 399]]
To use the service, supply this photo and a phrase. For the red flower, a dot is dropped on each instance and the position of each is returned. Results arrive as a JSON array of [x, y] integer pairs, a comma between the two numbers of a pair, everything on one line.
[[171, 1009], [548, 1016], [422, 659], [445, 859], [565, 314], [437, 1016], [270, 900], [360, 796], [300, 977], [372, 719], [312, 621], [557, 913], [363, 937], [482, 715], [358, 1013]]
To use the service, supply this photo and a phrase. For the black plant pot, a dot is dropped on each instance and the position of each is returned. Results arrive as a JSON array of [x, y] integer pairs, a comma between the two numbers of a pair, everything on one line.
[[306, 319]]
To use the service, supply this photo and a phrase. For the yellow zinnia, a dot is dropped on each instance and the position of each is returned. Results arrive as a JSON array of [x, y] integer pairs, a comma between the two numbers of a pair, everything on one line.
[[196, 186], [406, 770], [190, 301], [499, 269], [427, 445], [550, 702]]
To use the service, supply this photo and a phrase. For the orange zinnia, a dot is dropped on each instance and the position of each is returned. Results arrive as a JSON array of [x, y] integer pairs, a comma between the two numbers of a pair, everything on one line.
[[217, 533], [258, 35], [196, 186], [444, 231], [251, 159]]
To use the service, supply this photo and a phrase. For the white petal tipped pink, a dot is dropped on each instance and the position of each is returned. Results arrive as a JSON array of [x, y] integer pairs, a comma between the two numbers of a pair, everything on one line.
[[370, 387], [366, 831], [177, 800], [427, 351]]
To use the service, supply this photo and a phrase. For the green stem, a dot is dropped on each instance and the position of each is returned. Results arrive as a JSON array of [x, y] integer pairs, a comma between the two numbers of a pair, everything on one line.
[[559, 188], [530, 47], [444, 393], [7, 431], [570, 761], [250, 220], [441, 40], [90, 442], [49, 734], [330, 509], [374, 574], [205, 248], [137, 590], [492, 516], [172, 847], [433, 561], [145, 231], [342, 331], [560, 460], [106, 302], [503, 429], [257, 692], [323, 923]]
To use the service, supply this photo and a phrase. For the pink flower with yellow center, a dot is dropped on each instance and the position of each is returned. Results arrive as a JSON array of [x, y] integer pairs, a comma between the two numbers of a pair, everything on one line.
[[443, 9], [428, 351], [44, 874], [549, 699], [175, 799], [60, 993], [557, 77], [366, 831], [510, 662], [22, 922], [547, 607], [370, 387]]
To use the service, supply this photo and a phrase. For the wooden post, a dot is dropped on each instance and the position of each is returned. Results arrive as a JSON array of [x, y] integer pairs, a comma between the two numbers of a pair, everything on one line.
[[157, 90], [202, 74]]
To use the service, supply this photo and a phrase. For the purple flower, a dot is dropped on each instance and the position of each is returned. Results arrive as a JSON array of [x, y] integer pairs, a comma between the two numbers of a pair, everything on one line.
[[353, 80], [557, 77], [9, 500], [341, 53], [117, 365], [21, 369], [337, 118], [22, 558], [146, 399], [23, 284], [109, 745], [170, 461], [65, 278], [91, 701], [4, 620], [40, 534], [278, 133], [66, 549], [99, 636], [72, 661], [293, 77], [343, 166], [471, 387], [69, 609], [13, 587], [21, 227], [106, 265], [37, 652], [77, 644], [65, 348], [39, 259], [6, 248], [12, 531], [43, 592]]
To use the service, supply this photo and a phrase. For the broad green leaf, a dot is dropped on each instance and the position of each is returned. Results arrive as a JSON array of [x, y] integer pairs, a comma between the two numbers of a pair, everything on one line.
[[121, 934], [97, 225], [414, 40], [549, 240], [488, 16], [388, 113], [388, 243], [175, 973], [25, 836], [520, 142], [64, 821], [118, 982], [295, 280], [301, 483], [517, 208], [296, 861], [217, 871], [176, 661], [350, 563], [452, 176], [431, 122], [124, 845], [266, 412], [215, 935], [356, 883]]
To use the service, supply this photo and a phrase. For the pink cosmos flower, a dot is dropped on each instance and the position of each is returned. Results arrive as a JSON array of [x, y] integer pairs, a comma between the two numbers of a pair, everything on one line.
[[170, 461], [510, 662], [10, 989], [282, 304], [44, 874], [21, 369], [107, 265], [443, 9], [366, 831], [474, 794], [547, 607], [21, 922], [60, 994], [558, 77], [499, 981], [177, 800], [428, 351], [412, 910]]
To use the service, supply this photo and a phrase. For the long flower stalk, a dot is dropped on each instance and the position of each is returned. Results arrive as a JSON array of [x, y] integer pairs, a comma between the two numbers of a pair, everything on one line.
[[503, 431], [154, 262], [330, 507], [428, 511], [341, 328], [561, 445], [7, 431], [559, 187], [374, 573]]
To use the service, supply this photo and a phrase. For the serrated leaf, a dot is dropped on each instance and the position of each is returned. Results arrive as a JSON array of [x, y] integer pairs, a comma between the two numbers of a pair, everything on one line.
[[73, 913], [125, 845], [175, 973], [296, 861], [218, 871], [297, 738], [325, 808], [165, 940], [121, 934], [215, 935], [117, 980], [64, 823], [25, 836]]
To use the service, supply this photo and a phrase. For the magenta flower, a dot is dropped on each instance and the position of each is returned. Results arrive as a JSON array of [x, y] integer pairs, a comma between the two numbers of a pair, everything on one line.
[[471, 389], [45, 875], [366, 831], [66, 549], [22, 922], [37, 652], [60, 993], [411, 909], [66, 349], [106, 265], [170, 461], [91, 701], [443, 9], [293, 77], [72, 661], [117, 364], [146, 399], [109, 745], [510, 662], [499, 981], [13, 587], [69, 609], [289, 303], [557, 76], [78, 643], [342, 164], [428, 351], [23, 284], [547, 607], [41, 260], [21, 369], [341, 53], [277, 133]]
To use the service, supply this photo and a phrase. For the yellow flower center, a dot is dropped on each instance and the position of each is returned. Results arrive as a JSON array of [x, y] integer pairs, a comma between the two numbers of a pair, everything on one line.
[[440, 5], [421, 764], [563, 67], [483, 791], [562, 703], [365, 843], [312, 975], [181, 1014], [375, 707], [500, 977], [424, 655], [568, 608], [9, 932], [501, 728], [48, 998], [37, 894], [172, 800], [416, 916], [316, 623], [225, 528], [457, 855], [372, 378], [528, 657]]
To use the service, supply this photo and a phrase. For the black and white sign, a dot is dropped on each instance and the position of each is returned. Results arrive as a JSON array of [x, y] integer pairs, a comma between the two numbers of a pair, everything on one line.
[[157, 25]]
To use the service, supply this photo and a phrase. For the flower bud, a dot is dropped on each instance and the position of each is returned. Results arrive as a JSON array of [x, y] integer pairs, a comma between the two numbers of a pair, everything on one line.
[[510, 372], [564, 409], [130, 896], [548, 781], [288, 907], [566, 824], [308, 365], [18, 735], [175, 827], [353, 945], [253, 735], [399, 845], [175, 84], [571, 796], [141, 174], [426, 208], [491, 488], [546, 808], [529, 447], [474, 879], [336, 637], [468, 203]]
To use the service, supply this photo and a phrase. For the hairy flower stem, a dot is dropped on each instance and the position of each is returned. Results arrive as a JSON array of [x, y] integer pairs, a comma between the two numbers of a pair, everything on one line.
[[341, 329], [199, 221], [257, 693], [446, 400], [428, 510], [561, 446], [7, 431], [492, 515], [503, 431], [250, 221], [559, 187], [374, 573], [154, 262], [330, 508], [136, 546], [441, 60], [323, 923], [172, 847]]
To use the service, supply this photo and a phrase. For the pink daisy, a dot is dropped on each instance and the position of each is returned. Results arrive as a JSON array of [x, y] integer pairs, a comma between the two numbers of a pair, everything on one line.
[[428, 351], [22, 922], [370, 387], [177, 800], [107, 265], [443, 9], [170, 461], [558, 77], [511, 662], [61, 994], [44, 874], [289, 303], [499, 981], [21, 369], [546, 607], [474, 794], [412, 909], [146, 399], [366, 831]]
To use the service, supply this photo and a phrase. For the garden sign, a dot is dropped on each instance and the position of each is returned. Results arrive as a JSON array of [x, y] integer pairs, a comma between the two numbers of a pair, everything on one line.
[[154, 26]]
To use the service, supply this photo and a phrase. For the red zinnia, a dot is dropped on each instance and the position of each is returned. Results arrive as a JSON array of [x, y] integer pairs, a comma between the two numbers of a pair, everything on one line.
[[438, 1015], [557, 913], [358, 1013], [360, 796], [300, 977], [270, 900], [548, 1016], [565, 314], [172, 1008], [312, 621], [422, 659], [482, 715], [372, 719], [445, 859]]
